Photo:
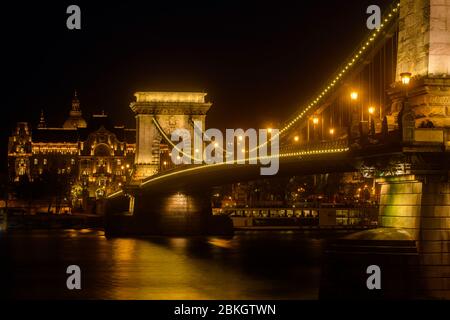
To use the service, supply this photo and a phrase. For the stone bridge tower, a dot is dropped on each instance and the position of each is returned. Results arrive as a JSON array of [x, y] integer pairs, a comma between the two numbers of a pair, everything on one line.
[[419, 200], [424, 52], [172, 110]]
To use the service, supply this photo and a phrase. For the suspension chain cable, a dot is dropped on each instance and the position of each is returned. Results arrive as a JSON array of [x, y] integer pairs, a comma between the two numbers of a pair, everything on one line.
[[387, 19]]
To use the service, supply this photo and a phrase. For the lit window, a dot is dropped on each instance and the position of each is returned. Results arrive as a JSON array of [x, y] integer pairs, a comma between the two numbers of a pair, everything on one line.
[[22, 171], [45, 161], [36, 161], [119, 162], [72, 161]]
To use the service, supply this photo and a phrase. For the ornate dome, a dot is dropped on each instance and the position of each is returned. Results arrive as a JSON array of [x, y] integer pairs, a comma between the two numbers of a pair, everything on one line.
[[75, 122], [75, 119]]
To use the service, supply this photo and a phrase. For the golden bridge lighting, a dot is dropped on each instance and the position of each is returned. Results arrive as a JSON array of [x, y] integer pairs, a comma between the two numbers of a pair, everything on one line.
[[194, 97], [340, 75], [315, 120], [371, 110], [406, 78], [354, 95], [282, 155]]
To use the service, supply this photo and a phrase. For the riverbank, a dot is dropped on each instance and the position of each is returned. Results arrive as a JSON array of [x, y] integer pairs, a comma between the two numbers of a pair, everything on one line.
[[53, 221]]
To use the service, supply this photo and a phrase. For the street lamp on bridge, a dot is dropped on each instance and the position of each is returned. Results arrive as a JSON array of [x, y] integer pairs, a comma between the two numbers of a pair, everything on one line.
[[354, 97], [406, 78], [315, 120], [406, 125]]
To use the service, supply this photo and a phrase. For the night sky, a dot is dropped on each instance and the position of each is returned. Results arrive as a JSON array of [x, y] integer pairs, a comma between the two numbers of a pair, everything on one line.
[[258, 60]]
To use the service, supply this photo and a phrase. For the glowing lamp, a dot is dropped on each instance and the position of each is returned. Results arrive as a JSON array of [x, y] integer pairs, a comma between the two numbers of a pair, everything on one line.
[[371, 110], [406, 78], [354, 95]]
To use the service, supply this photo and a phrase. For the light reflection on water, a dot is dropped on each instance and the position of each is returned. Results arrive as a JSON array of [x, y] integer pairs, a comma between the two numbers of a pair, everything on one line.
[[254, 265]]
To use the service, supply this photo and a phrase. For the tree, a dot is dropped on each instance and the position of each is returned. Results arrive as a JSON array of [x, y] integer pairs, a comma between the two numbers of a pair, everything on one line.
[[56, 187], [25, 190]]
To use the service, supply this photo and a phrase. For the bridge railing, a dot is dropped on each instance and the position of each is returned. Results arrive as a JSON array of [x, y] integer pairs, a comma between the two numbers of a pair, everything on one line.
[[338, 144]]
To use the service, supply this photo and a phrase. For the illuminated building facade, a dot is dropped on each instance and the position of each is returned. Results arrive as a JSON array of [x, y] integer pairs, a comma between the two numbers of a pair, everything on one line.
[[95, 155]]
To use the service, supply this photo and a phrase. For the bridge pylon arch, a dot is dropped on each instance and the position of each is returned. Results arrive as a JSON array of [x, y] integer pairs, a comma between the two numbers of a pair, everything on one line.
[[172, 110]]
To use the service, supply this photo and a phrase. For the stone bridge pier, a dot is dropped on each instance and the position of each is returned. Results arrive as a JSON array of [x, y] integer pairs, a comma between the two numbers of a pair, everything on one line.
[[420, 202], [420, 205], [412, 245], [180, 213], [184, 212]]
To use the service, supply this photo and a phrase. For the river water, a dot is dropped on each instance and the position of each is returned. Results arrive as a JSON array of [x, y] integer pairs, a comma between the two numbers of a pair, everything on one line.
[[250, 265]]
